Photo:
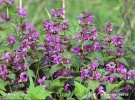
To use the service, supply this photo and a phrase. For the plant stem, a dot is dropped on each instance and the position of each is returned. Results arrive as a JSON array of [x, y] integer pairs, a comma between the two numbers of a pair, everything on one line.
[[10, 88], [63, 5], [20, 3], [7, 12], [36, 76]]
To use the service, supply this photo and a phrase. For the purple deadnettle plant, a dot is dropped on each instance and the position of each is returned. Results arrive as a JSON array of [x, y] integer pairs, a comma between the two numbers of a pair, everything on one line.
[[22, 12], [55, 63]]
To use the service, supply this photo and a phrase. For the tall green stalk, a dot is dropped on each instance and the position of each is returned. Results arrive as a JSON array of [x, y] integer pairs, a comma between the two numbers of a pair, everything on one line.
[[20, 3], [63, 5], [7, 12]]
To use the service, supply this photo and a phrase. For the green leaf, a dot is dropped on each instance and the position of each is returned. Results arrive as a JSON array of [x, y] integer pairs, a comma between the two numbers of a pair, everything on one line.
[[65, 54], [79, 79], [108, 58], [54, 68], [16, 46], [85, 97], [2, 87], [46, 71], [2, 92], [110, 87], [1, 29], [119, 98], [16, 95], [130, 81], [75, 44], [72, 93], [80, 90], [11, 76], [86, 42], [132, 48], [29, 60], [99, 56], [30, 73], [122, 60], [76, 61], [91, 86], [38, 92], [120, 84], [13, 96], [3, 84], [57, 86], [117, 75]]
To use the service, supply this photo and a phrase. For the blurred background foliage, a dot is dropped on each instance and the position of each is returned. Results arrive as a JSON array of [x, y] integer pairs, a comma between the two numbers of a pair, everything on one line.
[[120, 12]]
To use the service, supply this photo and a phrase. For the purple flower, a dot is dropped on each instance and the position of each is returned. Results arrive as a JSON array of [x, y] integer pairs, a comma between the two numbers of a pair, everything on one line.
[[11, 1], [17, 64], [105, 79], [86, 36], [4, 16], [58, 73], [63, 72], [11, 39], [117, 40], [57, 58], [100, 88], [84, 74], [120, 68], [94, 32], [90, 98], [3, 75], [119, 52], [23, 77], [89, 18], [3, 71], [58, 13], [7, 57], [78, 37], [48, 26], [6, 2], [66, 87], [87, 48], [108, 27], [67, 72], [77, 50], [127, 88], [29, 26], [42, 80], [97, 46], [112, 78], [94, 66], [97, 76], [113, 96], [124, 76], [22, 12], [81, 21], [64, 25], [111, 65], [86, 19], [129, 74], [84, 31]]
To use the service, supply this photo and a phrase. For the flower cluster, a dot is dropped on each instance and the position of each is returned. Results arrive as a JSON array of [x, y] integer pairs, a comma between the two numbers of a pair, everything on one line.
[[6, 2]]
